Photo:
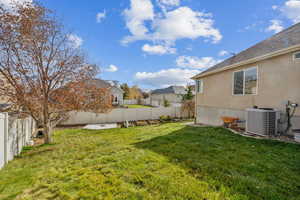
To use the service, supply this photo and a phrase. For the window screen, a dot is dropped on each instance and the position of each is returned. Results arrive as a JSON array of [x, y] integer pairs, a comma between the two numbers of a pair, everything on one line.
[[297, 56], [238, 87], [251, 81], [199, 86]]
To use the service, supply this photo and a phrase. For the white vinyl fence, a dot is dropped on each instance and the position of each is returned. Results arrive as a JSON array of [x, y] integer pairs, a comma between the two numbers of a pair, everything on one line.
[[146, 101], [130, 101], [135, 101], [14, 135], [122, 115]]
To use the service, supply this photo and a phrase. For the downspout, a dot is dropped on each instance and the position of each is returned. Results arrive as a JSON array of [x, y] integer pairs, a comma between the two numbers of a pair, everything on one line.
[[196, 114]]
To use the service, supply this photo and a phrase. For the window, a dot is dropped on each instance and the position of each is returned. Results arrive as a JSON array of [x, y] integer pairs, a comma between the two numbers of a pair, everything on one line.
[[199, 86], [297, 56], [251, 81], [238, 83], [245, 82]]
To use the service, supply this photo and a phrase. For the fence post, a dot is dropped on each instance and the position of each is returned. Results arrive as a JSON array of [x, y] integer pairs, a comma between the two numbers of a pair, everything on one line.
[[5, 137]]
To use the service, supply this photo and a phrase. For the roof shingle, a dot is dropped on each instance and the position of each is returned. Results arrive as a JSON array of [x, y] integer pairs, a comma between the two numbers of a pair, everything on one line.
[[285, 39]]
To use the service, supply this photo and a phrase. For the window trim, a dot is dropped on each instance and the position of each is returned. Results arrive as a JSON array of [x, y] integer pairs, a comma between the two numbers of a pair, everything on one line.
[[294, 56], [244, 83]]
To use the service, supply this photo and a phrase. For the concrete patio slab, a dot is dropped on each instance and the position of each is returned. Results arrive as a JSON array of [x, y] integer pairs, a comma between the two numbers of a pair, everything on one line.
[[100, 126]]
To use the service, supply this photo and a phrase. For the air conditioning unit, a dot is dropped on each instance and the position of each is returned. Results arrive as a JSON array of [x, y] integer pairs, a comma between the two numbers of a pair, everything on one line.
[[262, 122]]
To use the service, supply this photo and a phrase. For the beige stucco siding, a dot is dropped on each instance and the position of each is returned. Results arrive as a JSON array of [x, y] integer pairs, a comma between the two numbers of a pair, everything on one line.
[[278, 81]]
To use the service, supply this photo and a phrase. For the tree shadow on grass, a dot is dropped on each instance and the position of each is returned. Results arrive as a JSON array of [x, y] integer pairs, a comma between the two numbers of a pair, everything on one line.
[[246, 167]]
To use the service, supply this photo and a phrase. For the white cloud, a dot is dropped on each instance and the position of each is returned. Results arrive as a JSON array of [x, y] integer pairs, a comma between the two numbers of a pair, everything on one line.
[[139, 12], [112, 68], [275, 26], [223, 53], [9, 4], [275, 7], [195, 62], [169, 26], [185, 23], [75, 40], [291, 10], [166, 77], [100, 16], [167, 4], [158, 49], [252, 26], [170, 2], [189, 48]]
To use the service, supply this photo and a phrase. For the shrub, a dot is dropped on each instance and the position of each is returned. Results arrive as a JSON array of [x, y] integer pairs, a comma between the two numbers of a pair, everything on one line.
[[166, 103], [165, 118]]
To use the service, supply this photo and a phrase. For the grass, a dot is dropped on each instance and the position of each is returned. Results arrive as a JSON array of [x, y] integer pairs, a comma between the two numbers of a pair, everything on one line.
[[137, 106], [169, 161]]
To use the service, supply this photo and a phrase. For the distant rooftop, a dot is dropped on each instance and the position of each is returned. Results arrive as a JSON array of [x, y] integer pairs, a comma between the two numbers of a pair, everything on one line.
[[113, 83], [99, 83], [170, 90], [4, 106], [104, 83]]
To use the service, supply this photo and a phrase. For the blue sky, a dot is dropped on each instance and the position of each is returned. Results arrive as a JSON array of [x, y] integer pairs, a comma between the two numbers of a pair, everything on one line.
[[156, 43]]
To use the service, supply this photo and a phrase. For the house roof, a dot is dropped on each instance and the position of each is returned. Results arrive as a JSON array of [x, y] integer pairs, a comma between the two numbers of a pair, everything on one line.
[[287, 38], [99, 83], [170, 90], [104, 84], [4, 106]]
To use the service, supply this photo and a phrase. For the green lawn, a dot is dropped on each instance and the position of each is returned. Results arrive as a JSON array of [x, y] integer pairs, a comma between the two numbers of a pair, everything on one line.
[[162, 162], [137, 106]]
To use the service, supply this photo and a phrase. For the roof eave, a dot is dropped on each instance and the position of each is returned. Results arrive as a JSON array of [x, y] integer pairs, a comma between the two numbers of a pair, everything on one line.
[[249, 61]]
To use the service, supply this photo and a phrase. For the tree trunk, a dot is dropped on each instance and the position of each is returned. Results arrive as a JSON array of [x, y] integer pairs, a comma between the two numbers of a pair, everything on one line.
[[47, 123], [48, 133]]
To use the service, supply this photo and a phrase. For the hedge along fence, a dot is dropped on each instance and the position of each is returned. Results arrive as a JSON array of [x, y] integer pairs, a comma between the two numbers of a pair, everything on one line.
[[14, 135], [122, 115]]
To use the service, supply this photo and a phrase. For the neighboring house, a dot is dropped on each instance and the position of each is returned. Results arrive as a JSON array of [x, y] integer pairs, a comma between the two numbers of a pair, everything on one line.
[[265, 75], [114, 88], [172, 94], [116, 92]]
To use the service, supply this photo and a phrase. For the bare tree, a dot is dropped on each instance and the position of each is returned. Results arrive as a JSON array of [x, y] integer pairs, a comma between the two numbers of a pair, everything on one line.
[[45, 76]]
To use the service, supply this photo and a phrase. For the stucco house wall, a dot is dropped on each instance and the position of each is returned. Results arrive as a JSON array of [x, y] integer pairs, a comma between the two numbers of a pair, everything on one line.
[[278, 81], [117, 95]]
